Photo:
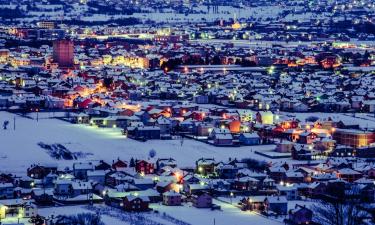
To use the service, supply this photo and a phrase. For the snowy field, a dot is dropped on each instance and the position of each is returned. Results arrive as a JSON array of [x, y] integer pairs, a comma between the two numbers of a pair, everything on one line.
[[19, 149], [228, 214]]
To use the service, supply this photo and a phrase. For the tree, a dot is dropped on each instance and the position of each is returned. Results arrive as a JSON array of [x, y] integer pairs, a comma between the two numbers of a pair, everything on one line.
[[132, 162], [37, 220], [152, 153], [79, 219], [332, 210], [5, 124]]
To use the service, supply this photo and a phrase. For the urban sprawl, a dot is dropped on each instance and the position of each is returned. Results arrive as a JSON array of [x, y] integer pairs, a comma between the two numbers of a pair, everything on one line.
[[187, 112]]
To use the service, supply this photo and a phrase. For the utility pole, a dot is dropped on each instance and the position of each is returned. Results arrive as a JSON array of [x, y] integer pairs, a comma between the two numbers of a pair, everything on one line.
[[14, 123]]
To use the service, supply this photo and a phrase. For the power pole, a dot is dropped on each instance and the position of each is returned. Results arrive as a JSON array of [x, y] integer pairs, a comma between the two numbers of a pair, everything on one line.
[[14, 123]]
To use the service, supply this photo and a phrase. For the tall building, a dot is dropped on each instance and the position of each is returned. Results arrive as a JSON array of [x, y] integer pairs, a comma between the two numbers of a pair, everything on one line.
[[46, 24], [63, 53]]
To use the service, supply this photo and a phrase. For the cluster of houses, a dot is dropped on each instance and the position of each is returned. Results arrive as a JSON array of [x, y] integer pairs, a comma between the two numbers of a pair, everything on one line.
[[329, 75], [137, 184], [312, 139], [274, 85]]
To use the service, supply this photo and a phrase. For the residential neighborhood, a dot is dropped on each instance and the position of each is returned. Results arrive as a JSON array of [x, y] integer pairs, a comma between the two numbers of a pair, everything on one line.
[[187, 112]]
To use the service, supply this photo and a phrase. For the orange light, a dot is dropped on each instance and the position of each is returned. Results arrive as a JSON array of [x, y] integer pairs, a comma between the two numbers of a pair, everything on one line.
[[178, 176]]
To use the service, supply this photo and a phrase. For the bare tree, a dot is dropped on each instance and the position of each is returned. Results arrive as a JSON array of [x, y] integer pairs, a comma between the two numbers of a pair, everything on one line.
[[334, 210]]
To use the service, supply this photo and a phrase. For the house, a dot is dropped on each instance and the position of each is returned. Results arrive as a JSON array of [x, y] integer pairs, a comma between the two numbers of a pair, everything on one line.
[[191, 178], [29, 210], [165, 126], [43, 196], [62, 187], [81, 118], [348, 174], [49, 180], [205, 166], [80, 188], [220, 186], [37, 171], [354, 138], [306, 138], [115, 178], [287, 190], [119, 164], [264, 117], [223, 139], [164, 186], [294, 177], [22, 208], [302, 152], [227, 171], [277, 204], [316, 189], [218, 131], [202, 200], [25, 182], [201, 99], [284, 146], [97, 176], [300, 215], [191, 189], [153, 195], [136, 203], [277, 173], [126, 187], [171, 198], [204, 129], [249, 139], [245, 184], [170, 162], [101, 165], [80, 169], [147, 133], [253, 203], [144, 167], [143, 184]]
